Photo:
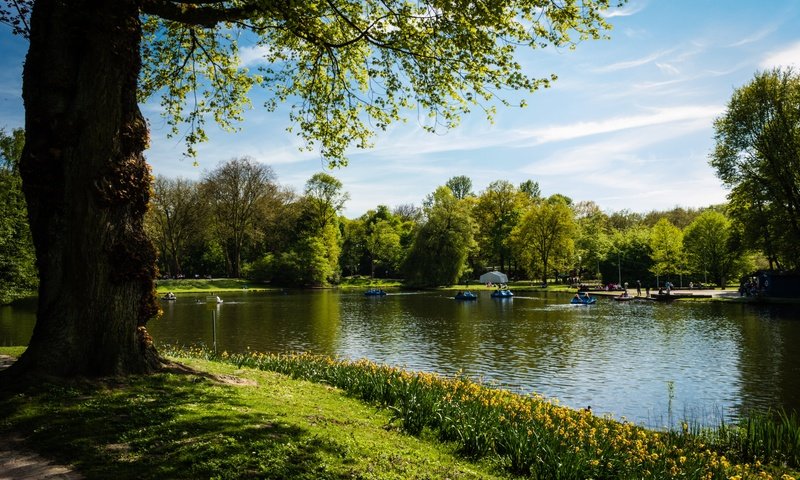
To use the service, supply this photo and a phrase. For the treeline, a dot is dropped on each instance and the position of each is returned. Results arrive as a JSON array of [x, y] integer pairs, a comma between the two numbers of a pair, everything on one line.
[[456, 235], [238, 221]]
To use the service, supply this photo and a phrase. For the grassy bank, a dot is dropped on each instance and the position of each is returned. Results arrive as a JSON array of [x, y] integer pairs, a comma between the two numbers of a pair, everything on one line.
[[223, 423], [361, 420], [189, 285]]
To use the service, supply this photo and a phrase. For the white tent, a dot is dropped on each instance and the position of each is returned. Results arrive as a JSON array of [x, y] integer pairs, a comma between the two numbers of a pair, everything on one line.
[[494, 277]]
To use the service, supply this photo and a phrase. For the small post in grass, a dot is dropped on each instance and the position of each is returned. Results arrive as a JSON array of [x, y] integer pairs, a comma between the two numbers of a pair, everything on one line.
[[212, 303]]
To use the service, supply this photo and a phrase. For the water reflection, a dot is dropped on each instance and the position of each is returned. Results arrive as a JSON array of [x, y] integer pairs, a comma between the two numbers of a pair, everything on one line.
[[652, 363]]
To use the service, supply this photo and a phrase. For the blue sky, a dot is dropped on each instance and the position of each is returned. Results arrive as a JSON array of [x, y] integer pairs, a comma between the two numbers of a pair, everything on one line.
[[628, 124]]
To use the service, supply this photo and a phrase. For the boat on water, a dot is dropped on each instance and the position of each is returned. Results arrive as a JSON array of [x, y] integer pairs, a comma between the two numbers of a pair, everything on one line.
[[624, 297], [502, 293], [585, 300], [465, 295], [374, 292], [169, 296]]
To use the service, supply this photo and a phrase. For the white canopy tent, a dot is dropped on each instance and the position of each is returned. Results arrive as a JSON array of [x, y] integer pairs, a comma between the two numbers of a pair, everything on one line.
[[494, 277]]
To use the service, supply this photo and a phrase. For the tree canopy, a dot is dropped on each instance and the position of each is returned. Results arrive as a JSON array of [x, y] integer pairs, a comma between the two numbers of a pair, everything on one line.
[[757, 155]]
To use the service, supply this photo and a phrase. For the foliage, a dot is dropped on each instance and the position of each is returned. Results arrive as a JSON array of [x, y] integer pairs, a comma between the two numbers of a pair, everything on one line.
[[496, 214], [325, 199], [175, 220], [18, 275], [349, 67], [592, 238], [11, 149], [712, 246], [678, 216], [544, 237], [666, 246], [353, 247], [441, 245], [628, 257], [383, 246], [771, 436], [531, 189], [233, 191], [757, 155], [461, 186]]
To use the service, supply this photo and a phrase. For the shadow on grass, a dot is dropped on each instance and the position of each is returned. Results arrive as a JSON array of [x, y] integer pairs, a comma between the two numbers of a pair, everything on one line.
[[162, 426]]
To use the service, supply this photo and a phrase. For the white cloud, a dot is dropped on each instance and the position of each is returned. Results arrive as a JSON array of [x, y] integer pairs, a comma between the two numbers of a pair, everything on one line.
[[759, 35], [788, 56], [615, 67], [615, 124], [629, 9], [249, 56], [667, 68]]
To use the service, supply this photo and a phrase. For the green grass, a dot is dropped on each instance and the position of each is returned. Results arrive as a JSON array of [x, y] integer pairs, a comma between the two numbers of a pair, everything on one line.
[[366, 421], [527, 435], [359, 281], [208, 285], [191, 426]]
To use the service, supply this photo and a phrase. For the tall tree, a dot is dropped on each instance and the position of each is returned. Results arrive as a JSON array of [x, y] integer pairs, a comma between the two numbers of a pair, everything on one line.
[[592, 236], [344, 66], [325, 199], [176, 216], [353, 246], [441, 246], [497, 212], [711, 246], [544, 236], [383, 245], [666, 246], [461, 186], [531, 189], [627, 256], [233, 191], [757, 155]]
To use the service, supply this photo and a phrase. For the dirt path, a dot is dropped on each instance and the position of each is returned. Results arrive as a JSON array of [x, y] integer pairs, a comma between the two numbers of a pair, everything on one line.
[[18, 463]]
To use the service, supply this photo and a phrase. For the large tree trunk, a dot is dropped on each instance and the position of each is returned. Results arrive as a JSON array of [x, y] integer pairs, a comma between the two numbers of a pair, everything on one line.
[[87, 187]]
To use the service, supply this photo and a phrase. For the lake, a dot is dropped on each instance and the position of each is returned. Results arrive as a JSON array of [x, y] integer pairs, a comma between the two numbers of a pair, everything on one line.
[[649, 362]]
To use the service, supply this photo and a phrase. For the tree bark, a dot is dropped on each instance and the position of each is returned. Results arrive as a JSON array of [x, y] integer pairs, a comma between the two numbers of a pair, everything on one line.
[[87, 186]]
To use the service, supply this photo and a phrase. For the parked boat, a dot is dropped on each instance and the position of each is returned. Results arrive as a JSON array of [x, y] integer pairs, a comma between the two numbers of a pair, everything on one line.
[[372, 292], [466, 295], [502, 293]]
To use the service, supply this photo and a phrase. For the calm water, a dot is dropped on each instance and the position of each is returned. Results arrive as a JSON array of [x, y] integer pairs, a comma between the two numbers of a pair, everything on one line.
[[649, 362]]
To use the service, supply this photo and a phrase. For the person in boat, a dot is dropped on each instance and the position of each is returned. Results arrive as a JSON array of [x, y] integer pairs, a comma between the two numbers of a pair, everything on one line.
[[578, 296]]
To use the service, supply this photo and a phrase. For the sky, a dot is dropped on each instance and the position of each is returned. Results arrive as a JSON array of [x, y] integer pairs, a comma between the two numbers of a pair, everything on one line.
[[628, 124]]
